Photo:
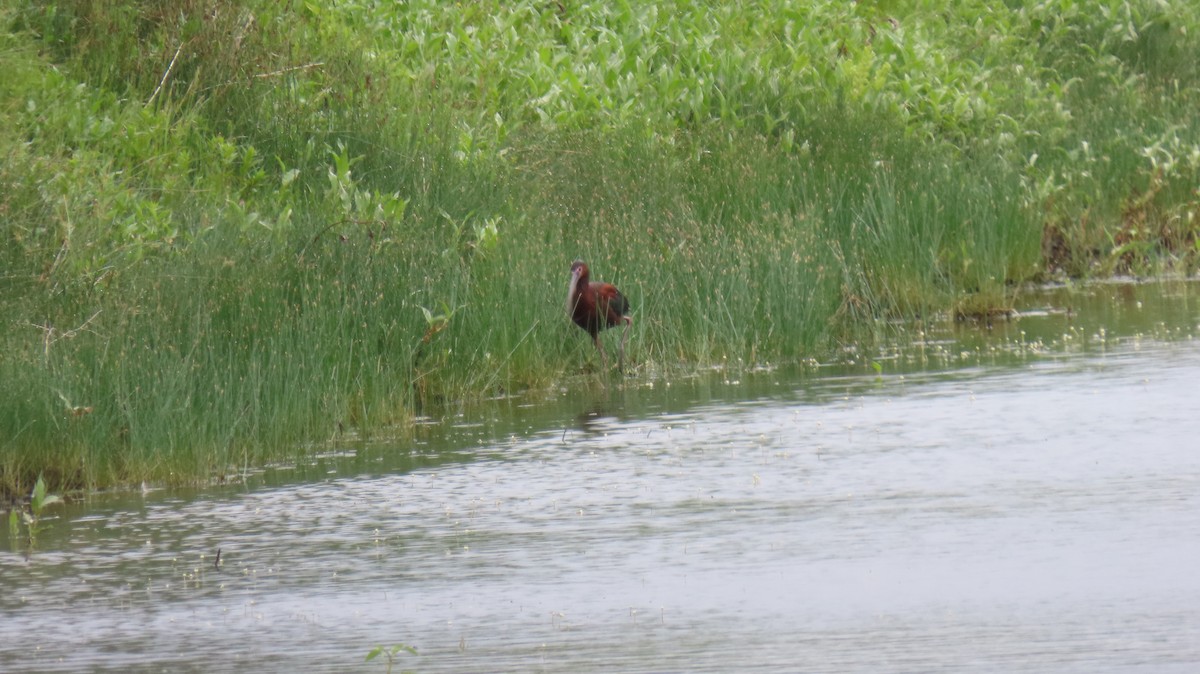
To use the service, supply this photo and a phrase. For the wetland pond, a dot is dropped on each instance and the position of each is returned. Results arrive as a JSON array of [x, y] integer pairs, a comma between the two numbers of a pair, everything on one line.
[[1019, 499]]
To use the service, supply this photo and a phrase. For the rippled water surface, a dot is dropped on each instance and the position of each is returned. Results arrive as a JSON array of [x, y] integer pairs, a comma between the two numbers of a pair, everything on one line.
[[1025, 498]]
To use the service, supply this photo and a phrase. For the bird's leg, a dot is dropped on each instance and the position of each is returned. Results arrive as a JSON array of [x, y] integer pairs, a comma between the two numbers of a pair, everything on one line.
[[600, 347], [624, 336]]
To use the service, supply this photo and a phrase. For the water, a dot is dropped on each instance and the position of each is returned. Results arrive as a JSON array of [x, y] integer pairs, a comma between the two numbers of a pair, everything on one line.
[[1020, 499]]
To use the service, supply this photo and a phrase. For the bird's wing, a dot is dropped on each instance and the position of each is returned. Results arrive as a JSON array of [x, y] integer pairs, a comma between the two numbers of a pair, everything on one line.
[[613, 299]]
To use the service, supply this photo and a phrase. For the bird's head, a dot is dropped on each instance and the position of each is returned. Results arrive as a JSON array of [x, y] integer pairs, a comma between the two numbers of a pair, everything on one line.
[[578, 269]]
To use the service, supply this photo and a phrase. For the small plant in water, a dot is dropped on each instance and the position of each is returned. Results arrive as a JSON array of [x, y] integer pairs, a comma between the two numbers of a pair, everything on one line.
[[31, 519], [878, 367], [391, 652]]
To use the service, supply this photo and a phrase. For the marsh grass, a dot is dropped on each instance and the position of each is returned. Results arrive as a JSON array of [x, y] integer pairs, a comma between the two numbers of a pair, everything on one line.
[[236, 230]]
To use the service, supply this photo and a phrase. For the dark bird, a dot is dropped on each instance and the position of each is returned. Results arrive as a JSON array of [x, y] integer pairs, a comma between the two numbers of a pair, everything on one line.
[[595, 306]]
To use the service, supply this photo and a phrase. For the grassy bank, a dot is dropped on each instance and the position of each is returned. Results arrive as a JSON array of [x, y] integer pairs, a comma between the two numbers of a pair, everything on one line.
[[232, 229]]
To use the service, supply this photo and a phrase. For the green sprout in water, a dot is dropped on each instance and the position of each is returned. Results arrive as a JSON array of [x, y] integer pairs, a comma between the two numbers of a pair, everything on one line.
[[31, 519], [391, 653]]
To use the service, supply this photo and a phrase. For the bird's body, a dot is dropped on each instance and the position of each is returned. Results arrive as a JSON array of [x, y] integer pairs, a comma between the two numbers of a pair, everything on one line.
[[594, 306]]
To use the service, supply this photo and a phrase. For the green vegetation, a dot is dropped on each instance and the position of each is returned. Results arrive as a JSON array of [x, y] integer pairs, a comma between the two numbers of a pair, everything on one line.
[[31, 518], [391, 653], [232, 228]]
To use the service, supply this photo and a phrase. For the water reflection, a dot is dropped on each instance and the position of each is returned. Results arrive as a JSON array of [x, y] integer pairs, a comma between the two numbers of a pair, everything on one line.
[[1020, 499]]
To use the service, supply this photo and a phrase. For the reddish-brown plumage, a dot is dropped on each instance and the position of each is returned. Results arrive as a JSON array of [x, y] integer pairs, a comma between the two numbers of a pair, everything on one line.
[[594, 306]]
